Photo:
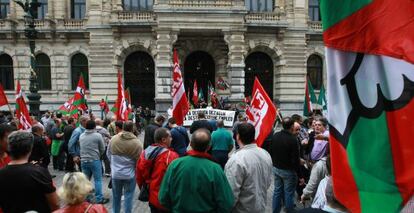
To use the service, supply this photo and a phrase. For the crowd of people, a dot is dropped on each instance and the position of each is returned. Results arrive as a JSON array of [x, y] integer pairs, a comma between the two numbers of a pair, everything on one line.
[[207, 168]]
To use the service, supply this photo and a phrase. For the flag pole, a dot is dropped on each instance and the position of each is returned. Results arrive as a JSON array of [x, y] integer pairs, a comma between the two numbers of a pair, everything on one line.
[[11, 112]]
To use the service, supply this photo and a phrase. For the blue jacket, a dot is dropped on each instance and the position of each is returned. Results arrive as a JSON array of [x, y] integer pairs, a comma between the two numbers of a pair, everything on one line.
[[73, 146], [180, 140]]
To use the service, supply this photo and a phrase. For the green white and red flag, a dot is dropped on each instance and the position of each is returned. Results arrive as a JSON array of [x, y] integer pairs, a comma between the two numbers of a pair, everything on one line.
[[370, 65], [69, 109], [25, 122], [79, 99], [310, 98]]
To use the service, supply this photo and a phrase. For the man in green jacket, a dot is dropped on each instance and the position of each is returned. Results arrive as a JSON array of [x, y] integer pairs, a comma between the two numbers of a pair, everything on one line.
[[196, 183]]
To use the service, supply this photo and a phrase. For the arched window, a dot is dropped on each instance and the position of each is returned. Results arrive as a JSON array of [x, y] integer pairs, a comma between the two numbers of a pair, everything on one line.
[[6, 72], [42, 9], [43, 71], [259, 5], [314, 14], [78, 9], [260, 65], [4, 8], [137, 5], [314, 70], [79, 65]]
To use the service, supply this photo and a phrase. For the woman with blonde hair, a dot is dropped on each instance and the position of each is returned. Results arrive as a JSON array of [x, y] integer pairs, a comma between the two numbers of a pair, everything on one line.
[[75, 188]]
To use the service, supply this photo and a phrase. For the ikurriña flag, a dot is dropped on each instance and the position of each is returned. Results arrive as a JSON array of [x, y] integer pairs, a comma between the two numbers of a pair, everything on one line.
[[25, 121], [80, 97], [370, 65], [261, 112], [180, 102]]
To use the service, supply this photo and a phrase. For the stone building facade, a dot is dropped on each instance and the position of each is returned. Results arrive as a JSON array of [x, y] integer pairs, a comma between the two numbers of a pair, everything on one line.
[[280, 41]]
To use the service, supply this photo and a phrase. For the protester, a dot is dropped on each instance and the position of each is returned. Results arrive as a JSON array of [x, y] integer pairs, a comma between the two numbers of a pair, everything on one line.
[[150, 129], [57, 136], [91, 149], [123, 152], [249, 172], [284, 151], [320, 146], [195, 183], [153, 164], [202, 122], [74, 147], [106, 137], [67, 134], [40, 152], [240, 119], [75, 188], [24, 186], [221, 144], [111, 127], [180, 139], [5, 130]]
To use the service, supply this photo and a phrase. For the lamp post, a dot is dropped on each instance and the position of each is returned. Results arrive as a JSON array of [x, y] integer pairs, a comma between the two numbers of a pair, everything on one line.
[[30, 9]]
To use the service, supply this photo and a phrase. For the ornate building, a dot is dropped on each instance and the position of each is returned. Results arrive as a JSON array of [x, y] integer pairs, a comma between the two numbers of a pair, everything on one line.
[[280, 41]]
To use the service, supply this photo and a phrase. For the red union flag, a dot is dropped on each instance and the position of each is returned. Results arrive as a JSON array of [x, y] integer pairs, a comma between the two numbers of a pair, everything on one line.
[[25, 122], [261, 112], [180, 102]]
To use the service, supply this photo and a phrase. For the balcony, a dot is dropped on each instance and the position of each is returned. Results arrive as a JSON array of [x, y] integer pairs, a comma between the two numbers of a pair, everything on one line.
[[72, 24], [134, 18], [315, 26], [271, 19], [201, 3]]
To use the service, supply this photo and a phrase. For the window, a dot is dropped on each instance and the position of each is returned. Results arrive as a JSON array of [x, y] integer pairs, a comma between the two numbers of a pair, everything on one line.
[[4, 8], [43, 72], [42, 9], [259, 5], [78, 9], [137, 5], [6, 72], [260, 65], [314, 70], [314, 14], [79, 65]]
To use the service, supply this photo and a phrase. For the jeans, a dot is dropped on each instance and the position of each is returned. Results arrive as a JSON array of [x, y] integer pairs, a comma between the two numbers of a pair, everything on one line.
[[94, 168], [221, 156], [285, 185], [128, 187]]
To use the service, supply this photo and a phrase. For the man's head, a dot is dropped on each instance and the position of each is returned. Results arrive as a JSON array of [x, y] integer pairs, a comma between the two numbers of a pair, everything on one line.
[[128, 126], [201, 115], [296, 129], [5, 130], [58, 121], [245, 133], [71, 121], [99, 122], [200, 140], [20, 145], [297, 118], [83, 120], [90, 125], [172, 122], [321, 124], [163, 136], [160, 119], [118, 126], [38, 130], [291, 126], [220, 123]]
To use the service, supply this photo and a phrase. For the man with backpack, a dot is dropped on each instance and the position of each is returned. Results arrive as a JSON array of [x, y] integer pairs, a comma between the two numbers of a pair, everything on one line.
[[152, 166]]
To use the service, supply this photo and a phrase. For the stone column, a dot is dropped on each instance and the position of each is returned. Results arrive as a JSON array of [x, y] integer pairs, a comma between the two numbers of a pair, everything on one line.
[[163, 68], [235, 41]]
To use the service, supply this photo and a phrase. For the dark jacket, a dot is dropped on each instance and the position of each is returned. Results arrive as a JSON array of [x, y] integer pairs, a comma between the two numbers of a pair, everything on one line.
[[200, 124], [180, 140], [149, 134], [40, 151], [284, 150]]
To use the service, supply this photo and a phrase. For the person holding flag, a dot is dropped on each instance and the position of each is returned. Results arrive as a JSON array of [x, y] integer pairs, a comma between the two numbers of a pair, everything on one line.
[[370, 66], [104, 107]]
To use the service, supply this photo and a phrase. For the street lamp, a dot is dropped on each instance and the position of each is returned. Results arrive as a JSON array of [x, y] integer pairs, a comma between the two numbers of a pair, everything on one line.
[[30, 9]]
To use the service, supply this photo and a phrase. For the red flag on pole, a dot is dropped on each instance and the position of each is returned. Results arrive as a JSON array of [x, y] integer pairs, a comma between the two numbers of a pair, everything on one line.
[[180, 106], [195, 93], [121, 102], [3, 97], [261, 112], [25, 122]]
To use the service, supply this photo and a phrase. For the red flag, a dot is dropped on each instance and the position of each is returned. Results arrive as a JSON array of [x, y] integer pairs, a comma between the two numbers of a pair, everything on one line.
[[180, 106], [3, 97], [25, 122], [261, 112], [195, 93], [128, 104], [121, 102], [79, 97]]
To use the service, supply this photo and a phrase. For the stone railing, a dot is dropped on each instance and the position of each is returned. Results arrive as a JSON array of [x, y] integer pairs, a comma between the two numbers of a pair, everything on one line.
[[262, 17], [73, 24], [315, 26], [136, 16], [40, 23], [201, 3]]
